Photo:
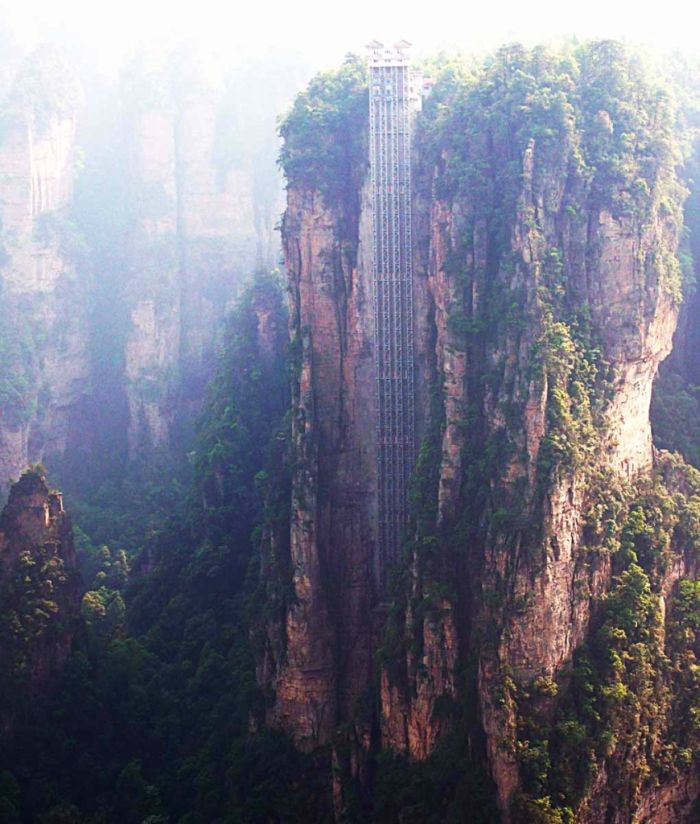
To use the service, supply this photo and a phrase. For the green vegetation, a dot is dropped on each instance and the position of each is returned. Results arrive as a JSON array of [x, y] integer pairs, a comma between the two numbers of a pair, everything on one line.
[[448, 787], [676, 415], [527, 148], [158, 692], [325, 136], [17, 373], [35, 589], [45, 88], [675, 410], [628, 702], [152, 722]]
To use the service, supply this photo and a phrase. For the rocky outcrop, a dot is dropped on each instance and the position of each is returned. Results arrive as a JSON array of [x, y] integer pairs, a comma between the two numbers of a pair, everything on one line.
[[120, 258], [319, 659], [194, 241], [328, 629], [547, 296], [45, 370], [577, 272], [41, 591]]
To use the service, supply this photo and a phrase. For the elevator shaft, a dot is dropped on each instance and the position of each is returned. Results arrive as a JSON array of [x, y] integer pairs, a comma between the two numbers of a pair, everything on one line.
[[390, 103]]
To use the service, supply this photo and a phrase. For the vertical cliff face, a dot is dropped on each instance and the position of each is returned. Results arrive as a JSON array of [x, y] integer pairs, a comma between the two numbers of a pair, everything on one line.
[[548, 216], [320, 663], [328, 628], [195, 238], [556, 293], [120, 257], [319, 660], [45, 371], [216, 223], [154, 299], [566, 302], [40, 591]]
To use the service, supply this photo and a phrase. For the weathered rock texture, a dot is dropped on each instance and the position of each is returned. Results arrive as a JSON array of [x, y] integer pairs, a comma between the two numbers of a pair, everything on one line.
[[45, 370], [194, 241], [40, 592], [327, 632], [119, 258], [550, 299]]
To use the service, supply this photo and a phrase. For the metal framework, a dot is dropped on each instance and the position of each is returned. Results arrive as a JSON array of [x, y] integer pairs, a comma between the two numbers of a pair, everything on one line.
[[390, 102]]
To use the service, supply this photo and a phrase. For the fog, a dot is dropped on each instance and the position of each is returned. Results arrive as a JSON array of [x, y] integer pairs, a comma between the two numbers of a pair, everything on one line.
[[323, 31]]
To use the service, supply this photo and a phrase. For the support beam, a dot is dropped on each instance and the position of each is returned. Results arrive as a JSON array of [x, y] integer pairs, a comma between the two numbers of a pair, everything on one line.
[[391, 102]]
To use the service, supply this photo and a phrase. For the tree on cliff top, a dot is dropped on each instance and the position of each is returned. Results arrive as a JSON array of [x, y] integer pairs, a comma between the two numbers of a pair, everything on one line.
[[324, 134]]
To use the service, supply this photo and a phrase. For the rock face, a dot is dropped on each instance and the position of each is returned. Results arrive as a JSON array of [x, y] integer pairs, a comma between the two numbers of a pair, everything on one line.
[[193, 242], [319, 657], [120, 256], [40, 591], [328, 630], [547, 296], [44, 309]]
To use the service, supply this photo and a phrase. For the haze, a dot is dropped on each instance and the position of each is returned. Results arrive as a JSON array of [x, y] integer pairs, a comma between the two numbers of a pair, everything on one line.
[[324, 31]]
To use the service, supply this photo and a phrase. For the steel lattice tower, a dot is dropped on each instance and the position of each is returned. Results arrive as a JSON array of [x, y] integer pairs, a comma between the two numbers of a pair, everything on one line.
[[390, 108]]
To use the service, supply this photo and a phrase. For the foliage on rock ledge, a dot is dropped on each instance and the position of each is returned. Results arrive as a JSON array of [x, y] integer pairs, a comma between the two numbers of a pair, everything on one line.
[[169, 685], [325, 135], [526, 152], [675, 409], [45, 88], [38, 592], [151, 719], [629, 704]]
